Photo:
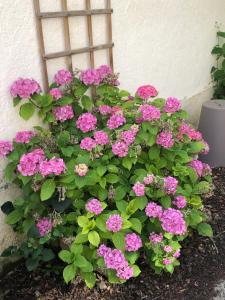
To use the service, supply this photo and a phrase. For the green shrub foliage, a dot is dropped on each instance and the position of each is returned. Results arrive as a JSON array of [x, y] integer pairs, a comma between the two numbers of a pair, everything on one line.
[[112, 179]]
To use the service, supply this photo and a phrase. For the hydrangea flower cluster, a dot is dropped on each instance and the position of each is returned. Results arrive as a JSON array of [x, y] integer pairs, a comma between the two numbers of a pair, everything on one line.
[[146, 91], [63, 77], [172, 105], [180, 201], [156, 238], [120, 149], [114, 223], [133, 242], [63, 113], [153, 210], [5, 148], [170, 185], [94, 206], [115, 121], [56, 93], [81, 169], [105, 110], [139, 189], [24, 136], [87, 144], [201, 169], [24, 88], [149, 179], [86, 122], [149, 112], [101, 137], [95, 76], [114, 259], [54, 166], [30, 162], [44, 226], [186, 129], [173, 221], [128, 136], [165, 139]]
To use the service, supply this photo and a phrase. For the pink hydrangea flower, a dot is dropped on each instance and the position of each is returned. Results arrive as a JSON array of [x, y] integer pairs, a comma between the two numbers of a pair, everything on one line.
[[44, 226], [139, 189], [167, 261], [56, 93], [180, 201], [30, 162], [149, 112], [168, 249], [86, 122], [63, 113], [177, 254], [153, 210], [103, 71], [102, 250], [63, 77], [170, 185], [133, 242], [105, 110], [94, 206], [81, 169], [90, 77], [206, 170], [87, 144], [165, 139], [24, 136], [156, 238], [206, 148], [115, 121], [24, 88], [5, 148], [114, 259], [117, 110], [101, 137], [172, 105], [125, 273], [120, 149], [186, 129], [128, 136], [149, 179], [197, 165], [146, 91], [114, 223], [54, 166], [173, 221]]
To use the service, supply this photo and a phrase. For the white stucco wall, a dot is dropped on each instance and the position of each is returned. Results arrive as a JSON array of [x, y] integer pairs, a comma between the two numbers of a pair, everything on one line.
[[163, 42]]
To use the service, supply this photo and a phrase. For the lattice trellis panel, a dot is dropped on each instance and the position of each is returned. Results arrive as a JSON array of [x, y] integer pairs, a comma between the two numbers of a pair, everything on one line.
[[65, 14]]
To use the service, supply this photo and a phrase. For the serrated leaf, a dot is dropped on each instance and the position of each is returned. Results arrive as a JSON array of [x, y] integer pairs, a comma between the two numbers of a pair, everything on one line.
[[27, 110], [118, 240], [136, 224], [205, 229], [94, 238], [69, 273], [47, 189]]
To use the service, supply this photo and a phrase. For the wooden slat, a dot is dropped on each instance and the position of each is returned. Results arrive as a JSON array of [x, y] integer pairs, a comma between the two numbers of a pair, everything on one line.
[[41, 46], [77, 51], [109, 28], [66, 35], [90, 35], [74, 13]]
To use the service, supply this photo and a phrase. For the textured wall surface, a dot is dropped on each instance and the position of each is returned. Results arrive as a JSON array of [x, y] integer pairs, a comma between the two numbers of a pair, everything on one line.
[[166, 43]]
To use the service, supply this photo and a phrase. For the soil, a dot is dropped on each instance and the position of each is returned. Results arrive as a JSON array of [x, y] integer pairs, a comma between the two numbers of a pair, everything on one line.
[[202, 267]]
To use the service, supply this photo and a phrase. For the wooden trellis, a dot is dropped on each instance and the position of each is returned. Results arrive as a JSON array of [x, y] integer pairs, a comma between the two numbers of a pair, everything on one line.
[[69, 52]]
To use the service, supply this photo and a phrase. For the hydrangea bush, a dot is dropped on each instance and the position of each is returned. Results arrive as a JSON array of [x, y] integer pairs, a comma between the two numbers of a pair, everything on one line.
[[111, 181]]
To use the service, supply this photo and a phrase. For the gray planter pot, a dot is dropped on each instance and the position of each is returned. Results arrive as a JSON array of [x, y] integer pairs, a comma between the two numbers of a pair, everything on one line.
[[212, 126]]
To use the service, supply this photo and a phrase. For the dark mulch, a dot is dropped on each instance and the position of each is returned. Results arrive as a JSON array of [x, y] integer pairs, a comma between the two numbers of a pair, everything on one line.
[[202, 267]]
